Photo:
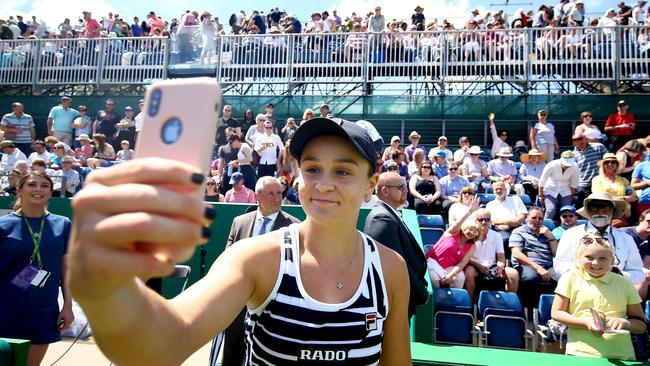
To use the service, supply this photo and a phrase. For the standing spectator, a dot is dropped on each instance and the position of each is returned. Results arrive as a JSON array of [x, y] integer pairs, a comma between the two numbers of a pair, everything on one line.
[[81, 125], [289, 130], [136, 30], [498, 140], [576, 16], [447, 259], [487, 268], [257, 130], [10, 155], [384, 223], [533, 248], [268, 147], [325, 111], [586, 157], [125, 129], [34, 239], [239, 193], [337, 19], [450, 187], [530, 172], [227, 154], [226, 121], [609, 181], [39, 152], [474, 169], [208, 43], [624, 13], [247, 122], [599, 209], [461, 154], [307, 115], [508, 212], [288, 165], [620, 126], [106, 120], [418, 17], [425, 190], [442, 146], [587, 128], [59, 121], [558, 184], [377, 21], [18, 127], [568, 219], [638, 14], [542, 136], [91, 26]]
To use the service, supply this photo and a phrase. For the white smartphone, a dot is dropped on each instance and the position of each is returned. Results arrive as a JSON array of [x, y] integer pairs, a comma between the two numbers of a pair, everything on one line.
[[180, 121]]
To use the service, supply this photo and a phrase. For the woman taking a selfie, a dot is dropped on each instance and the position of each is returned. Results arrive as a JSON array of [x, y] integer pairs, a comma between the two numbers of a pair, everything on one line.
[[33, 243], [344, 293]]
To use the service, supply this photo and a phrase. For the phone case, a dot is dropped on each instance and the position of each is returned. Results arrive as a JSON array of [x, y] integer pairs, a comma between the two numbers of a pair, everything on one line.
[[180, 121]]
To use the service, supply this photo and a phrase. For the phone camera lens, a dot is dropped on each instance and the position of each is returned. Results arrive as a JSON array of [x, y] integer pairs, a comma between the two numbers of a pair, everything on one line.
[[155, 102]]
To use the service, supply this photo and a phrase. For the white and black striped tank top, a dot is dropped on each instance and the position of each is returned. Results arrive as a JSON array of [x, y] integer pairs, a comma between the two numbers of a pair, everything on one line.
[[291, 328]]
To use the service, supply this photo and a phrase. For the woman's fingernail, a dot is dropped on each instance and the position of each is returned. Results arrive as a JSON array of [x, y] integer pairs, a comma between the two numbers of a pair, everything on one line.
[[206, 232], [210, 213], [198, 178]]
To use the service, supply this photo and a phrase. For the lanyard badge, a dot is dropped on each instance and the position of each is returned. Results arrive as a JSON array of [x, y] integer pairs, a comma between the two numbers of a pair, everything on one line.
[[33, 275]]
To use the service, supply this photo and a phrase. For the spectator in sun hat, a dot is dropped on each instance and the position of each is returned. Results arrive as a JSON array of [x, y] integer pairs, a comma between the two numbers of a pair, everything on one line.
[[126, 153], [558, 184], [474, 169], [532, 166], [395, 145], [442, 146], [414, 137]]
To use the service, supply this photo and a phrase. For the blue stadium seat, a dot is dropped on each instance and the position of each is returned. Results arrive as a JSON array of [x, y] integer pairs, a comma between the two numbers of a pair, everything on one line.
[[550, 224], [453, 317], [581, 222], [431, 228], [486, 197], [504, 320], [541, 316], [526, 200]]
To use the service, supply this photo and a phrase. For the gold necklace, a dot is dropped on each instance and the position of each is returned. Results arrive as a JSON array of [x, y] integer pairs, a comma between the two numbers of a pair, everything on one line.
[[339, 284]]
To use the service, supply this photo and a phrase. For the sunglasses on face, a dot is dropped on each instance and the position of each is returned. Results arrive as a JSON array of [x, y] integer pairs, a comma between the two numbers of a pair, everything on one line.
[[452, 169], [211, 184], [486, 219], [268, 127], [426, 166], [589, 241], [568, 216], [542, 114], [468, 193], [401, 186], [59, 147], [504, 134], [611, 162], [588, 116]]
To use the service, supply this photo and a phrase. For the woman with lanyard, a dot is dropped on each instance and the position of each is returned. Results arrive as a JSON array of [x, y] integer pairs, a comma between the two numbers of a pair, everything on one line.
[[33, 243], [315, 291]]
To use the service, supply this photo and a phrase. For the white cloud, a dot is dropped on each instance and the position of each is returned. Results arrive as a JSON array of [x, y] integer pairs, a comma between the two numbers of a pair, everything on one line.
[[456, 11]]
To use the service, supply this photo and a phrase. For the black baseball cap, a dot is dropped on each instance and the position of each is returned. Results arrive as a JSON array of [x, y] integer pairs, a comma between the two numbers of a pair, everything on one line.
[[321, 126]]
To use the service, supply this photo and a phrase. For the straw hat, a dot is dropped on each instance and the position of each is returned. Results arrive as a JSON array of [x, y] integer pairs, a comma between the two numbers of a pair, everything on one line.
[[414, 134], [475, 150], [524, 158], [618, 205], [607, 157]]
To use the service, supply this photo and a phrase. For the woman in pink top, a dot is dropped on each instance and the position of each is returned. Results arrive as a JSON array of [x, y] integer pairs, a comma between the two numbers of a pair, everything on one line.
[[449, 256]]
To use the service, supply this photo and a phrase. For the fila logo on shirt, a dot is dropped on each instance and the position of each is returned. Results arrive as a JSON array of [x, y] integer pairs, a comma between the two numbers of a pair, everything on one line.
[[371, 321], [322, 356]]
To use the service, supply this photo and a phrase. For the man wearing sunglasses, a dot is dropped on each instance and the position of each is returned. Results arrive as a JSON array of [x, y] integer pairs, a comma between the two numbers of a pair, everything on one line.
[[599, 209], [384, 224], [568, 218]]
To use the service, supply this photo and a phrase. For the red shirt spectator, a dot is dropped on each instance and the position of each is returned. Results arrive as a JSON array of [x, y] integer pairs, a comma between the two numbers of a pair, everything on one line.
[[92, 26], [621, 123]]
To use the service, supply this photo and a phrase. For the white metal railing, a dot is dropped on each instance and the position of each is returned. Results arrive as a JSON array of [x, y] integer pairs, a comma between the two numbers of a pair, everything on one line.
[[136, 60], [522, 56]]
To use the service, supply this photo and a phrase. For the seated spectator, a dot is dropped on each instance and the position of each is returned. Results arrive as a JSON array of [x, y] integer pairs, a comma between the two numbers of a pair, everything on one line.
[[608, 181], [568, 219], [395, 142], [39, 152], [57, 156], [498, 140], [66, 180], [558, 184], [212, 191], [458, 209], [398, 159], [10, 155], [533, 248], [487, 268], [449, 256], [239, 193], [82, 125], [502, 169], [450, 187], [414, 137], [442, 146], [424, 187], [508, 212], [641, 181], [532, 166], [461, 154], [126, 153], [85, 149], [474, 169], [51, 141], [628, 157], [599, 209], [592, 285], [640, 233], [440, 164], [104, 153], [13, 177], [418, 158], [38, 165]]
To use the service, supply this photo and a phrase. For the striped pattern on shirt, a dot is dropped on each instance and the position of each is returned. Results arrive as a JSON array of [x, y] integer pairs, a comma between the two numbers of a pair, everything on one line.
[[291, 328]]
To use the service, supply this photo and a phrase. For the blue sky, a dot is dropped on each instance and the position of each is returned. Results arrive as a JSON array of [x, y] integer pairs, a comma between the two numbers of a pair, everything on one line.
[[53, 12]]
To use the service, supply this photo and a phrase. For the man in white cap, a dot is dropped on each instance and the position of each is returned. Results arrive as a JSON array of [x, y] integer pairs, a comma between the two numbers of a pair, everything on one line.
[[558, 184], [600, 209], [502, 169]]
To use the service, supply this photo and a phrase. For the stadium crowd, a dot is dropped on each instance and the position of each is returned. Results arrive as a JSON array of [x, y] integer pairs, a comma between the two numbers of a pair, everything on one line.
[[479, 36]]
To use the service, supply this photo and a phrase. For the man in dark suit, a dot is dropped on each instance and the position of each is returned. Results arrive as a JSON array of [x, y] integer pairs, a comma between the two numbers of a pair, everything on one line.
[[384, 224], [268, 217]]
